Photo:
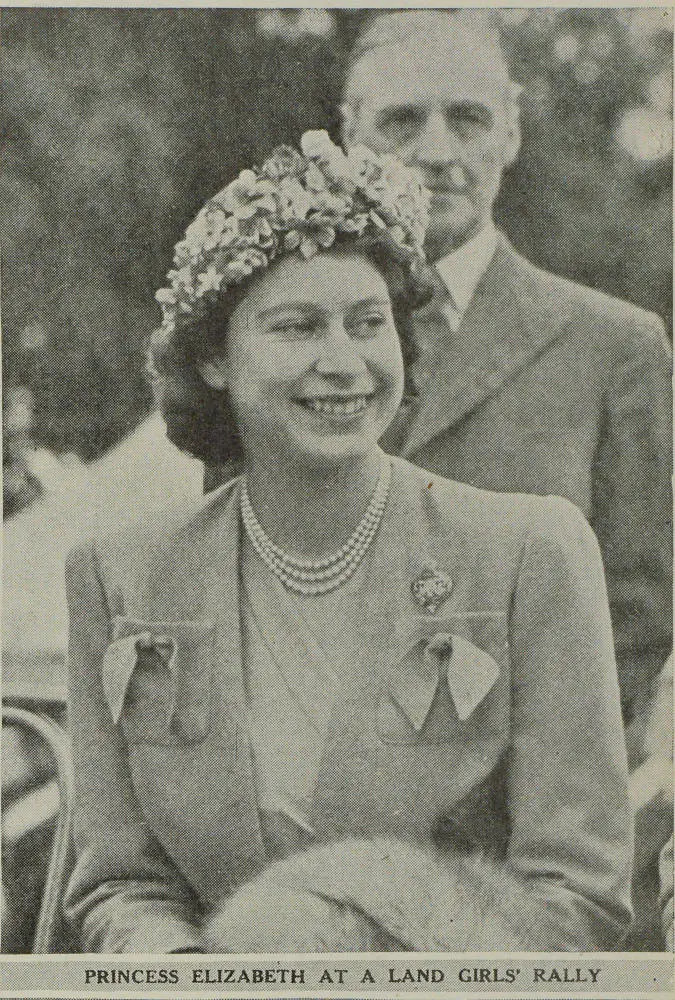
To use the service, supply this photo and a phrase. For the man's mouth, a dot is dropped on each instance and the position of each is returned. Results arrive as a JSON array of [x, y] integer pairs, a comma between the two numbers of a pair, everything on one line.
[[447, 192], [336, 406], [456, 182]]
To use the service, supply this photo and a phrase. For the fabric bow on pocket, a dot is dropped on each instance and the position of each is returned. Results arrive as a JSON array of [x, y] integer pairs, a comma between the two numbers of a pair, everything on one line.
[[447, 664], [157, 679]]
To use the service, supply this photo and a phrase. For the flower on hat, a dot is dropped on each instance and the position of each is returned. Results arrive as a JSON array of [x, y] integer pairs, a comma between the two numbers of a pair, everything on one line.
[[298, 201]]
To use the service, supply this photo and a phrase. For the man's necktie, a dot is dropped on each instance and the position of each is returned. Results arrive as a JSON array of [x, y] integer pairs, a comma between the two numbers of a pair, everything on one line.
[[434, 327], [435, 324]]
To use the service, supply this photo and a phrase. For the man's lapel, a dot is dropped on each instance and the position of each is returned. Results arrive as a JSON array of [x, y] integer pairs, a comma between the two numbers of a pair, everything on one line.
[[501, 332]]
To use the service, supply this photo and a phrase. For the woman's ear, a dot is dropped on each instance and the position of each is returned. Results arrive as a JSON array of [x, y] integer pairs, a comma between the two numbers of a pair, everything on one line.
[[513, 135], [213, 373]]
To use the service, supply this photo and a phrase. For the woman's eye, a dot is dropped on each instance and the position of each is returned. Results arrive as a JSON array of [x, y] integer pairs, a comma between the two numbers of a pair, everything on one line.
[[296, 330], [369, 326]]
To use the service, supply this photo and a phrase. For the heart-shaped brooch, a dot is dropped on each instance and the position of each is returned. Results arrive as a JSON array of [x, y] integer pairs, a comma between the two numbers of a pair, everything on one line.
[[431, 588]]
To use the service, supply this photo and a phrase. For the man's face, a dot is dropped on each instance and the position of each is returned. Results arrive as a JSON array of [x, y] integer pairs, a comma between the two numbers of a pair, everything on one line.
[[443, 108]]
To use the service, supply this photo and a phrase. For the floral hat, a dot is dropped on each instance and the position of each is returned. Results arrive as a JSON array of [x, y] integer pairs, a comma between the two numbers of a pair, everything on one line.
[[296, 201]]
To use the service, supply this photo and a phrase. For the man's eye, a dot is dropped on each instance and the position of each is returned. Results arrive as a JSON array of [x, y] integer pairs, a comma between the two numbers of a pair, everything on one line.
[[468, 118], [400, 124]]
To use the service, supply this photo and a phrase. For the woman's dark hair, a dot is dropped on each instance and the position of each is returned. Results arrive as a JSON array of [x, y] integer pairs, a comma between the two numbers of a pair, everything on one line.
[[199, 419]]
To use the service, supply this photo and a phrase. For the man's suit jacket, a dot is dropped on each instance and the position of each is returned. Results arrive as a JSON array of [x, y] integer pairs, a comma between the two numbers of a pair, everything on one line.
[[552, 388], [516, 737]]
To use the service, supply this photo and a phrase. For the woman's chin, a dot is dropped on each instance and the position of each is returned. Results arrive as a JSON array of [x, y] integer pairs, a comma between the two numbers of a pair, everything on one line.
[[333, 449]]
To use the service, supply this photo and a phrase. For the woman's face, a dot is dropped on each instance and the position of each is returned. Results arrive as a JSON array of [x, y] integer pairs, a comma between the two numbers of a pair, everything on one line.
[[313, 362]]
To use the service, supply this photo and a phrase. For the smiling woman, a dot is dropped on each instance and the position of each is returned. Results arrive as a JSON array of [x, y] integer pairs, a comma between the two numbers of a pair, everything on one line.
[[339, 704], [191, 370]]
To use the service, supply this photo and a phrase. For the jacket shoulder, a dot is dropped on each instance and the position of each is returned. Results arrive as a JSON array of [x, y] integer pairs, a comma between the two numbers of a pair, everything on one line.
[[585, 309], [135, 546], [490, 519]]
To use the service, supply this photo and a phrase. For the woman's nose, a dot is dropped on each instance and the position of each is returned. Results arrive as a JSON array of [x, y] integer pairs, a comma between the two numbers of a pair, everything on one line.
[[339, 353], [437, 143]]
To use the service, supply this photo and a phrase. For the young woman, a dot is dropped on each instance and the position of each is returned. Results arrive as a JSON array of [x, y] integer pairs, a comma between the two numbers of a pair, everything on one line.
[[341, 704]]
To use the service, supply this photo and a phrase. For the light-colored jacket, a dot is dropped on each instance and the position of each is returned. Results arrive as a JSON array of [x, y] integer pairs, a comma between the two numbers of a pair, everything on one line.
[[516, 740]]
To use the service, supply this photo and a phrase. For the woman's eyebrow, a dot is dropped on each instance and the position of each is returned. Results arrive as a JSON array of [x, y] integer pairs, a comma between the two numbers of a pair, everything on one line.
[[299, 306], [373, 302]]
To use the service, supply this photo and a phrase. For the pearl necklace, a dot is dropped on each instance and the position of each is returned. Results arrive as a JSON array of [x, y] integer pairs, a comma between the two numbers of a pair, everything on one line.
[[310, 577]]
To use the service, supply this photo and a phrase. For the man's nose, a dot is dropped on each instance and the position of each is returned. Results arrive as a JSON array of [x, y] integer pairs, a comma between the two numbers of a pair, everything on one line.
[[339, 353], [437, 144]]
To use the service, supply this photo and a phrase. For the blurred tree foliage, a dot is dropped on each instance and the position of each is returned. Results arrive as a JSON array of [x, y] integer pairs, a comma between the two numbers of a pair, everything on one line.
[[577, 202], [120, 123]]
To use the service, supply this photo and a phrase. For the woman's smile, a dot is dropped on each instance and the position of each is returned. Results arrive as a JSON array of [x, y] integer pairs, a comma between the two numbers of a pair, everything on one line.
[[340, 408]]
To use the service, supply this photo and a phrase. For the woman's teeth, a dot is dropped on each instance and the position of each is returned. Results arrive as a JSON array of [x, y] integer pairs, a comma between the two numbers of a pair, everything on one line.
[[337, 408]]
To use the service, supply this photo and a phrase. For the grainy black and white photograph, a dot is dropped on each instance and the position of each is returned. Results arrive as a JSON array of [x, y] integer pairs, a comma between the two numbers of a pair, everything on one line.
[[337, 609]]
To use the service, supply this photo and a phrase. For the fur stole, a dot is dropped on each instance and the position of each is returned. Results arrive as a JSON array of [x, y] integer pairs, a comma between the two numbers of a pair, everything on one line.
[[380, 895]]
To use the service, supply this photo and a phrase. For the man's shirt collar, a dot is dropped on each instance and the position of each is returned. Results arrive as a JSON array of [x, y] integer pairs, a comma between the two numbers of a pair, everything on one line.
[[462, 270]]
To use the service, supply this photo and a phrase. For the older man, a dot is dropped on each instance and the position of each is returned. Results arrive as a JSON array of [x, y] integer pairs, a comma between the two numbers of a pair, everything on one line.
[[527, 382]]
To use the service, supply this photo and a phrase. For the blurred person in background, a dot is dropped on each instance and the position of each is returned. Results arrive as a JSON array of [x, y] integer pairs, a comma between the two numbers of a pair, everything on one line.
[[338, 704], [19, 482], [651, 790], [666, 899], [527, 382], [29, 469]]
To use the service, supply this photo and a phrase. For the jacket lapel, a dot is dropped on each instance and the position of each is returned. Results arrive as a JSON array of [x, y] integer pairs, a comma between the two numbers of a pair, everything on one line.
[[213, 806], [393, 623], [405, 645], [500, 333], [197, 577], [418, 571], [400, 556]]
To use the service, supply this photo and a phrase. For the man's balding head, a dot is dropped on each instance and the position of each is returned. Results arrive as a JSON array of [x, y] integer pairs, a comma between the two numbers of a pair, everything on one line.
[[433, 86], [443, 30]]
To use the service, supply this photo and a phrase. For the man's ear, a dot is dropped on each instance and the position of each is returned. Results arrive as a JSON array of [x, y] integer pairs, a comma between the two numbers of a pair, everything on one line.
[[213, 373], [348, 127]]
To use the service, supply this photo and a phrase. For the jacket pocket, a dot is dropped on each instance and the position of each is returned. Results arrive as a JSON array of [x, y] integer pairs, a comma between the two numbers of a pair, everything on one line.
[[449, 668], [157, 679]]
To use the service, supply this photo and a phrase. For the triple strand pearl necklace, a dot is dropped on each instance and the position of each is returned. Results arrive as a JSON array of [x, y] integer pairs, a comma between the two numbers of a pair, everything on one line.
[[310, 577]]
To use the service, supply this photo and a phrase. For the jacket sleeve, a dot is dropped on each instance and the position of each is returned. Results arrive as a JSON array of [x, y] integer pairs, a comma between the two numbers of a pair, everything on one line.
[[666, 894], [564, 884], [125, 894], [572, 831], [632, 507]]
